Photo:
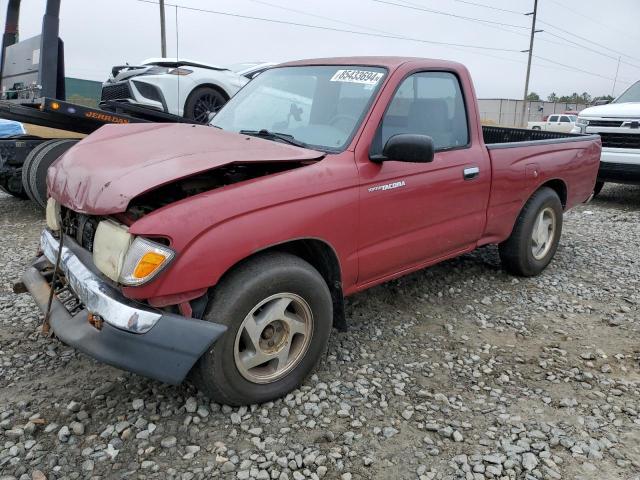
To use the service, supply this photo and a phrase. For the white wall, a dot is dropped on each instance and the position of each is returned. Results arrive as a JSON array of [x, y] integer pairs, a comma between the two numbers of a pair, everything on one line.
[[504, 111]]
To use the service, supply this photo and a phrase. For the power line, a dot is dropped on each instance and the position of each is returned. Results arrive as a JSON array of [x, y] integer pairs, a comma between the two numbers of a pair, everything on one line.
[[413, 6], [573, 44], [302, 12], [588, 40], [521, 34], [489, 6], [594, 20], [333, 29], [558, 65], [576, 69]]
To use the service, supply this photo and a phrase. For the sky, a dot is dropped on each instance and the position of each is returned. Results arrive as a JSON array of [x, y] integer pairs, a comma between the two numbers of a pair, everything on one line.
[[577, 51]]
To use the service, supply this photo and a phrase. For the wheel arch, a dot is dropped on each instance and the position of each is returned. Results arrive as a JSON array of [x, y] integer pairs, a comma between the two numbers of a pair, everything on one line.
[[215, 86], [558, 186], [321, 256]]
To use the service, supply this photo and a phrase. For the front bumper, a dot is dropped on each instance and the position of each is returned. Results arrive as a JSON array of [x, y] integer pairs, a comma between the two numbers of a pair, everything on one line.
[[166, 352], [134, 91], [620, 165]]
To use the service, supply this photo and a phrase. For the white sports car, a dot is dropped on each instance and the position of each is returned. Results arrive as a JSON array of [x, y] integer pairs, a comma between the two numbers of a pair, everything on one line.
[[186, 88]]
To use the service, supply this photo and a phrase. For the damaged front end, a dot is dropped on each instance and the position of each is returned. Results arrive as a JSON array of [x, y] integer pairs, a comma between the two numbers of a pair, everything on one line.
[[204, 182], [102, 299], [90, 313]]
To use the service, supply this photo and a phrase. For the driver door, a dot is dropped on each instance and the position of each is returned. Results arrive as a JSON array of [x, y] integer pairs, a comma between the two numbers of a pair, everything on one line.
[[413, 214]]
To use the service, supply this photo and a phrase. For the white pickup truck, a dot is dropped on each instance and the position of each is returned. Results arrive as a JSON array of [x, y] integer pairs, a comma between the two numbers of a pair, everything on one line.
[[618, 124], [555, 123]]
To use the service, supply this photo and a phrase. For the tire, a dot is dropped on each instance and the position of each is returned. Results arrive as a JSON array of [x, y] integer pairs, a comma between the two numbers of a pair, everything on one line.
[[21, 194], [41, 162], [203, 101], [220, 373], [597, 188], [26, 168], [520, 254]]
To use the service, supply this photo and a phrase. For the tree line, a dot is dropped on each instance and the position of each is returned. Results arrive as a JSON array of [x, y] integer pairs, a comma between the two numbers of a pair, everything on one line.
[[573, 98]]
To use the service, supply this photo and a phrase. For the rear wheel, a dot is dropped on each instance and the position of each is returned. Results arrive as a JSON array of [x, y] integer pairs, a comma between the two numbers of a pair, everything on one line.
[[41, 162], [535, 236], [597, 188], [202, 102], [278, 311]]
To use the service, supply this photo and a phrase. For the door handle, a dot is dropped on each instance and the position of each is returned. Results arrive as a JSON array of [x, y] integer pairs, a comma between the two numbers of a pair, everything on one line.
[[470, 173]]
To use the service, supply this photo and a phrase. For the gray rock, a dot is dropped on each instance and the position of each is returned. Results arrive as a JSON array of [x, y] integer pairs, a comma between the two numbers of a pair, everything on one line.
[[529, 461], [227, 467], [64, 434], [169, 442]]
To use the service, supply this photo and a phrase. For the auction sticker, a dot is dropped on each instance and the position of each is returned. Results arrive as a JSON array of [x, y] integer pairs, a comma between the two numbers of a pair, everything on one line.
[[366, 77]]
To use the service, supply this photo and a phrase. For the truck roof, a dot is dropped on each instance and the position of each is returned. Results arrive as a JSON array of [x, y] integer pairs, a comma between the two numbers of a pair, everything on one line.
[[381, 61]]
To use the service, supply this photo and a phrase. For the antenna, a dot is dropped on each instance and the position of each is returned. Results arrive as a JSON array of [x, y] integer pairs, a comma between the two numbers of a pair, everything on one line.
[[177, 55]]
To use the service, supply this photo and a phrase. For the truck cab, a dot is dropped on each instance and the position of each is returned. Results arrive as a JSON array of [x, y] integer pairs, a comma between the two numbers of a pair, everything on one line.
[[618, 125]]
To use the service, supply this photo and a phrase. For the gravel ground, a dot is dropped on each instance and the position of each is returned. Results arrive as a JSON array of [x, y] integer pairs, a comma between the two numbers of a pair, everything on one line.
[[456, 372]]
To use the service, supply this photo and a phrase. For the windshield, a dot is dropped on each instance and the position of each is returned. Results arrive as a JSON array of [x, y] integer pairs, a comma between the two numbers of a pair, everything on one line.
[[632, 94], [319, 106]]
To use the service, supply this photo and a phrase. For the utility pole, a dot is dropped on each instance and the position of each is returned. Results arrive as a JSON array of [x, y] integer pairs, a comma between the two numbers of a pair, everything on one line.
[[163, 31], [615, 79], [526, 82]]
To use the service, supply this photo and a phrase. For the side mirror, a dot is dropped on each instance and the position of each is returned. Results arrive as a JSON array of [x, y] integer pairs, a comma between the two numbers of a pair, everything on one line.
[[602, 101], [407, 147]]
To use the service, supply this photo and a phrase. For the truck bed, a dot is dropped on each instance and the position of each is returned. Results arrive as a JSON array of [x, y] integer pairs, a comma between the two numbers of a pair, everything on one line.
[[522, 160], [505, 137]]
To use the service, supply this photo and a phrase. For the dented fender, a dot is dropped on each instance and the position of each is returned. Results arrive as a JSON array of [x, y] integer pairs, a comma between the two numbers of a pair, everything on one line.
[[213, 231]]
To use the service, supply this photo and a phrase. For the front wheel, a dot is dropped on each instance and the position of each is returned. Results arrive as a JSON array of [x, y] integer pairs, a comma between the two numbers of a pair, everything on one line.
[[202, 102], [535, 236], [278, 311]]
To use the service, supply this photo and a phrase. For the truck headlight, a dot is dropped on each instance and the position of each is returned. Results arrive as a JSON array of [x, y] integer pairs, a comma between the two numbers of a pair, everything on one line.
[[110, 246], [143, 261], [580, 126], [54, 217]]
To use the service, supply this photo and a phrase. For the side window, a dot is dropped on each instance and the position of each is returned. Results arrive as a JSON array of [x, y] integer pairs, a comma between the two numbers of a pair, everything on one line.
[[427, 103], [565, 119], [553, 118]]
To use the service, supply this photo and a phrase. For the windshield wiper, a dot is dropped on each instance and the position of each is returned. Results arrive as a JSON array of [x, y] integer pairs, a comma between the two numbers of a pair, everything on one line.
[[264, 133]]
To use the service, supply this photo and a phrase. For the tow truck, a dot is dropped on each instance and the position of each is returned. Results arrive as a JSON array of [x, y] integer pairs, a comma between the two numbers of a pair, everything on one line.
[[32, 91]]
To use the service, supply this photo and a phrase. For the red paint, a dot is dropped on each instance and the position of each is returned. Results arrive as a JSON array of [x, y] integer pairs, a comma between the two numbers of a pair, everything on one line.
[[119, 162], [375, 235]]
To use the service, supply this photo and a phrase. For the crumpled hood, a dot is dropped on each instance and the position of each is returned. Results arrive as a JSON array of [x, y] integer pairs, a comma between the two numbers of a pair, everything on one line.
[[614, 110], [101, 174]]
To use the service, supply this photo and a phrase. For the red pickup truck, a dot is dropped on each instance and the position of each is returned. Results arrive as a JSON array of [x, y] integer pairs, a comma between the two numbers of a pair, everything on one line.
[[223, 252]]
